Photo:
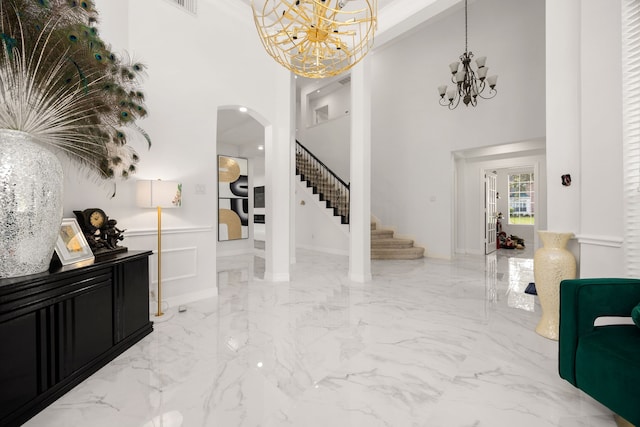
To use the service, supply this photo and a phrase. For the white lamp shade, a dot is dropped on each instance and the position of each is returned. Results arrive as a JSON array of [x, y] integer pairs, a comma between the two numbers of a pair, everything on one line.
[[163, 194]]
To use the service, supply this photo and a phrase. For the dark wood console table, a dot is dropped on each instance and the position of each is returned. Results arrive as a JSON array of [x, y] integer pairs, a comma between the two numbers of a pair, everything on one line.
[[57, 328]]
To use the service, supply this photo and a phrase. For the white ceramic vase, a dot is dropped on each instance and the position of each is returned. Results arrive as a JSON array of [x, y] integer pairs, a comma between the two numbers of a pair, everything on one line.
[[552, 264], [31, 184]]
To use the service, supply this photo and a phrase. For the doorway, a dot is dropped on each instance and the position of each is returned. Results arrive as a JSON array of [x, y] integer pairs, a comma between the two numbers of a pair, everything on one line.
[[472, 222], [241, 137], [490, 212]]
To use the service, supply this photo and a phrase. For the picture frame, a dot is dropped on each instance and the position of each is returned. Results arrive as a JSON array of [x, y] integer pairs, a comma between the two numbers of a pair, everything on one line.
[[233, 198], [71, 245]]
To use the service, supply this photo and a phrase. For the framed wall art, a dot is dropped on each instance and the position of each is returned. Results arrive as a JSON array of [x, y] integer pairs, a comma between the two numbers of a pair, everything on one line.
[[233, 198], [72, 246]]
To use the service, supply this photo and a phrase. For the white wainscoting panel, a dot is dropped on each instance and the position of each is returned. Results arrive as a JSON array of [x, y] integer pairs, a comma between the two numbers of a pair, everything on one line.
[[188, 261], [180, 263], [601, 256]]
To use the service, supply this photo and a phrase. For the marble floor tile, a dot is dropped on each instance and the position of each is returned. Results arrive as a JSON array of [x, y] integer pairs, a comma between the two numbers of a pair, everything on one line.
[[427, 343]]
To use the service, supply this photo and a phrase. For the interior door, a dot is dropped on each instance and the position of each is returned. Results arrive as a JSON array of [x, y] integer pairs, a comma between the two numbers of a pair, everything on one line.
[[490, 211]]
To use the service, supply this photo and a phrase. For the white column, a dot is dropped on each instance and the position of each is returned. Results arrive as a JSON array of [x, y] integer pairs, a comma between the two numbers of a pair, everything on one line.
[[360, 215], [278, 175], [563, 81], [602, 181], [292, 174]]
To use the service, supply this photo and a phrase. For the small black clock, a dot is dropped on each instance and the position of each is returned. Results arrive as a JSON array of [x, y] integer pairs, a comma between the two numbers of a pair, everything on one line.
[[92, 219]]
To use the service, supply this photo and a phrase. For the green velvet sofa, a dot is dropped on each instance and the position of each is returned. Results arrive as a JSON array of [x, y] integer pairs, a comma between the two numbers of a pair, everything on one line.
[[602, 361]]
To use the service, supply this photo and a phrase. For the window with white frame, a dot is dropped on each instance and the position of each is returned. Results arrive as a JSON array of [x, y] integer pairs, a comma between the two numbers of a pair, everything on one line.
[[521, 199]]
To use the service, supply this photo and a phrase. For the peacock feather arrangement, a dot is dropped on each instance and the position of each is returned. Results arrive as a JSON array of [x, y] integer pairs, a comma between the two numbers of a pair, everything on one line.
[[62, 84]]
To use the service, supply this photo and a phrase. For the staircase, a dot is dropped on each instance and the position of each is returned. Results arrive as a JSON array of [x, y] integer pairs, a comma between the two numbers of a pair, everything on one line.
[[385, 246], [326, 184], [335, 193]]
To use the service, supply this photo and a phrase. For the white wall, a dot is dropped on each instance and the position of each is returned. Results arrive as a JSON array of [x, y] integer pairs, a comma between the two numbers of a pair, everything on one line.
[[113, 23], [337, 101], [584, 130], [190, 74], [602, 220], [329, 142], [413, 137], [316, 228]]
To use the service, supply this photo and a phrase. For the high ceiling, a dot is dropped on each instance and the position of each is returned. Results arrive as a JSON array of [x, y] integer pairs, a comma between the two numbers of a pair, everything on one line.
[[395, 18]]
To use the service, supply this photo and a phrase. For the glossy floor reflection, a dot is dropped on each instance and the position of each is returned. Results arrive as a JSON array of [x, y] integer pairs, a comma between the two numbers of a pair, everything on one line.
[[426, 343]]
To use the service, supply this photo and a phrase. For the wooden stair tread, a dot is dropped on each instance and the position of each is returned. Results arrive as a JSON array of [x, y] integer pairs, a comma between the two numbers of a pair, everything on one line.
[[381, 234], [391, 243], [404, 253]]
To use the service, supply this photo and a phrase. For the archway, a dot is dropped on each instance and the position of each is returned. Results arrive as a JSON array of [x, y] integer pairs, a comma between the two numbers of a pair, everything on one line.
[[243, 130], [240, 146]]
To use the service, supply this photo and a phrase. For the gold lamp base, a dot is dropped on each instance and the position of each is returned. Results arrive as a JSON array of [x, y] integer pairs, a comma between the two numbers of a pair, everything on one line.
[[159, 290]]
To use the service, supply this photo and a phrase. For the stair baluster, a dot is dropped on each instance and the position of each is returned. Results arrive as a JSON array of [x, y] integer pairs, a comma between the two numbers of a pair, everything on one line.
[[330, 188]]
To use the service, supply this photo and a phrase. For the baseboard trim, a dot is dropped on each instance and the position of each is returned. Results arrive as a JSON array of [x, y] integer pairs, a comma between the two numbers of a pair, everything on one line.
[[360, 278], [178, 300], [276, 277], [236, 252]]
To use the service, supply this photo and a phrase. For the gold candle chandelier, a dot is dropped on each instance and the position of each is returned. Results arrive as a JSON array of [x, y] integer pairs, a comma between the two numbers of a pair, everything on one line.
[[316, 38]]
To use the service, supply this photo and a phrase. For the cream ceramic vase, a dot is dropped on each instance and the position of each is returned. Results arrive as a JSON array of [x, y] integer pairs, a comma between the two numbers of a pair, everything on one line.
[[552, 264], [31, 183]]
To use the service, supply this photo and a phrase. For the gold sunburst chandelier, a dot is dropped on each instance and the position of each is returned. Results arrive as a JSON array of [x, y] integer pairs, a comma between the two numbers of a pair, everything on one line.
[[316, 38]]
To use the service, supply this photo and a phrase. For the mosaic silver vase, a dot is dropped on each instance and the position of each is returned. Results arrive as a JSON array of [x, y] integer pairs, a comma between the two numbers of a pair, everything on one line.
[[31, 184]]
